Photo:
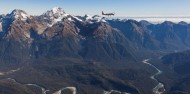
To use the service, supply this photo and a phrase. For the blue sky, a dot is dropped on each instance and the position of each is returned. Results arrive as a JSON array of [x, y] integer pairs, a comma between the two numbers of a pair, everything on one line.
[[120, 7]]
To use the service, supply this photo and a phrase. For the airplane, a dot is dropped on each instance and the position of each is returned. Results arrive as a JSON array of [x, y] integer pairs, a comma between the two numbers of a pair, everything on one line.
[[108, 14]]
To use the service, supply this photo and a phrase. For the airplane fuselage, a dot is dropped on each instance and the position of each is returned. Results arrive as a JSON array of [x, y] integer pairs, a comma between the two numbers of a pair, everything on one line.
[[108, 14]]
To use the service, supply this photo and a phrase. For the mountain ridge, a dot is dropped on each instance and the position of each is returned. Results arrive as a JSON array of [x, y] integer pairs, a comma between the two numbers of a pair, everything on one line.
[[93, 53], [55, 24]]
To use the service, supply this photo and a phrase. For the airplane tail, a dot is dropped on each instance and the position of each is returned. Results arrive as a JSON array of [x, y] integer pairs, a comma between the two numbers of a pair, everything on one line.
[[102, 13]]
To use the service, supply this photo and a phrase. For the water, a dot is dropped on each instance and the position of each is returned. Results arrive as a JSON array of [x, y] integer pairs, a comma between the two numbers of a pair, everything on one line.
[[160, 85]]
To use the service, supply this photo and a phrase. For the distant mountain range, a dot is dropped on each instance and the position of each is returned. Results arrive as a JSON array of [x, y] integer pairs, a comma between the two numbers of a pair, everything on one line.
[[161, 19], [56, 45], [87, 36]]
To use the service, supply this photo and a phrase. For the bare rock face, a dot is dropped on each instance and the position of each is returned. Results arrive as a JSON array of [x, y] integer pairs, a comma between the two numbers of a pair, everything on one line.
[[15, 37], [19, 30], [62, 29], [14, 24]]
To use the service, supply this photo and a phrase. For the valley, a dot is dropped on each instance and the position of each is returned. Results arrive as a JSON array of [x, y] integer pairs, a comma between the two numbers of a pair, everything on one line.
[[55, 53], [160, 85]]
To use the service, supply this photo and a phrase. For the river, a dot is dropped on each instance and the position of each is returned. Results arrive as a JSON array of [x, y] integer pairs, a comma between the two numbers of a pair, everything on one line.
[[160, 86], [156, 90], [12, 71]]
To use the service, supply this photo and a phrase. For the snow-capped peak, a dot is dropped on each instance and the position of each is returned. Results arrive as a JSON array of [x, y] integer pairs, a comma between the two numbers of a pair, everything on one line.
[[95, 18], [57, 14], [58, 10], [98, 18], [54, 15], [18, 14], [87, 17]]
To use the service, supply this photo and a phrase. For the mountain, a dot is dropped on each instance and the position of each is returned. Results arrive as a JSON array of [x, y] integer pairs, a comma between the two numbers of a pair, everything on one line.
[[91, 19], [27, 39], [165, 33], [53, 16], [94, 54], [18, 15], [107, 42], [136, 33], [178, 64], [179, 61]]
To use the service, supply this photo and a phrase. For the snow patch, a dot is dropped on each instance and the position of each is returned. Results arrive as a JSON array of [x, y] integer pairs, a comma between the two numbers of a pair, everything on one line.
[[55, 9], [25, 16], [88, 17], [57, 20], [17, 14], [99, 18], [70, 19], [77, 18], [95, 18]]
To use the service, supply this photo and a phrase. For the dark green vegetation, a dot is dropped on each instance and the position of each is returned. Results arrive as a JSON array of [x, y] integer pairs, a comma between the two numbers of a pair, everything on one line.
[[87, 76], [179, 65]]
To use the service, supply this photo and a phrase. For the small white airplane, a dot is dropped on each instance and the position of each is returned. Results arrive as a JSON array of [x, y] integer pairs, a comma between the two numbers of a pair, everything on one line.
[[108, 14]]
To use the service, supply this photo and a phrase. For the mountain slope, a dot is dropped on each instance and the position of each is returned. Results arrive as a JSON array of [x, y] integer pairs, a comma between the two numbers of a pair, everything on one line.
[[91, 53]]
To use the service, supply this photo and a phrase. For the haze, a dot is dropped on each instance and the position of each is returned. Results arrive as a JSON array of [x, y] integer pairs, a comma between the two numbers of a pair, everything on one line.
[[123, 8]]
